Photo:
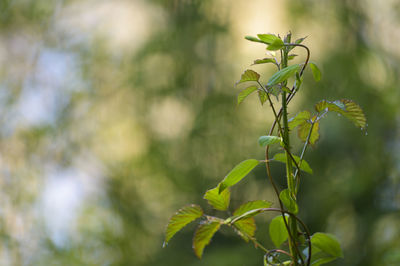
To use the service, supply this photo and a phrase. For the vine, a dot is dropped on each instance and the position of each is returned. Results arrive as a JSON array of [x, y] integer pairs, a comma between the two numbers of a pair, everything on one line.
[[303, 248]]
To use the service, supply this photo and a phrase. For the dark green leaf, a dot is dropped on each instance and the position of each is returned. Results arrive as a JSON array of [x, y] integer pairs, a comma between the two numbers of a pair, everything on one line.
[[277, 231], [347, 108], [220, 201], [304, 130], [237, 174], [203, 235], [275, 45], [251, 205], [249, 75], [288, 201], [262, 96], [246, 228], [327, 243], [283, 74], [268, 38], [263, 61], [299, 119], [246, 92], [268, 140], [181, 218], [281, 157], [315, 71]]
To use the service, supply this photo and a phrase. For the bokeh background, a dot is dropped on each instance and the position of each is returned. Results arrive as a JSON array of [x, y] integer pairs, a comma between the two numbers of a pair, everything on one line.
[[114, 114]]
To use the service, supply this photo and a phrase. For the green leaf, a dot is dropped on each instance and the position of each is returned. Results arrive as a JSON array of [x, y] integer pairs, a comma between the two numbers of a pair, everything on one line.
[[283, 74], [315, 71], [268, 140], [252, 39], [299, 119], [275, 45], [327, 243], [203, 235], [251, 205], [281, 157], [220, 201], [262, 96], [277, 231], [304, 130], [264, 60], [347, 108], [268, 38], [249, 75], [181, 218], [291, 56], [288, 201], [300, 40], [237, 173], [246, 92], [246, 228]]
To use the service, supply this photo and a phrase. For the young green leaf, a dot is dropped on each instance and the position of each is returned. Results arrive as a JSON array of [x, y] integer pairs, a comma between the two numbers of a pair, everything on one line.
[[299, 119], [275, 45], [281, 157], [245, 228], [277, 231], [347, 108], [327, 243], [291, 56], [262, 96], [220, 201], [283, 74], [246, 92], [264, 60], [268, 38], [203, 235], [304, 130], [251, 205], [249, 75], [237, 174], [252, 39], [315, 71], [300, 40], [181, 218], [268, 140], [288, 201]]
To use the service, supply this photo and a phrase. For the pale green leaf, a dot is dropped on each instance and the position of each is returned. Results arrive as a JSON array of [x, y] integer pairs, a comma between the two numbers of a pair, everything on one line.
[[327, 243], [275, 45], [268, 38], [246, 92], [299, 119], [268, 140], [264, 60], [300, 40], [262, 96], [277, 231], [304, 130], [315, 71], [203, 235], [347, 108], [253, 39], [288, 201], [281, 157], [291, 56], [246, 228], [283, 74], [252, 205], [249, 75], [181, 218], [237, 173], [220, 201]]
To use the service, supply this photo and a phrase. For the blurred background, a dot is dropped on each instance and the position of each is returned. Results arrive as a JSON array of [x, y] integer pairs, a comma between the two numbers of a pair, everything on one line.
[[114, 114]]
